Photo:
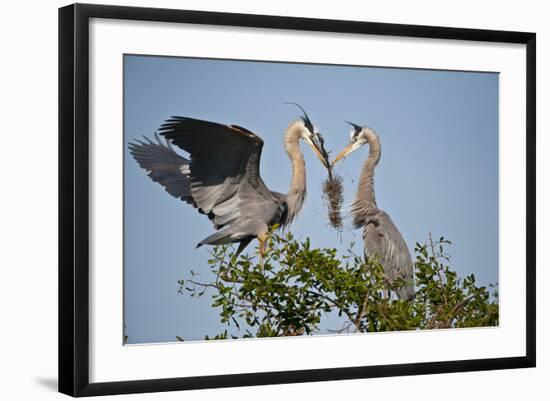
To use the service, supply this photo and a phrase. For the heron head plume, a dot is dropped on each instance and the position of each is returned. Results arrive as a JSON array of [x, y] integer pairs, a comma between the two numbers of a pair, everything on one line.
[[358, 136], [356, 129], [313, 137]]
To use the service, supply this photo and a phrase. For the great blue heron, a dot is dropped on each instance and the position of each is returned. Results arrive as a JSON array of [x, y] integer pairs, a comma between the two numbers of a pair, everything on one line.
[[381, 238], [222, 179]]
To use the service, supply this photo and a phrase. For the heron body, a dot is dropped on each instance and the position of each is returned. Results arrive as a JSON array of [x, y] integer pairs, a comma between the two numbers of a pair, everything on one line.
[[221, 177], [381, 238]]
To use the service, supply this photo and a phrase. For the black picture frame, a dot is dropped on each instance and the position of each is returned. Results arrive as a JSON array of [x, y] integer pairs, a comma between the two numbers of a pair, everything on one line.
[[74, 198]]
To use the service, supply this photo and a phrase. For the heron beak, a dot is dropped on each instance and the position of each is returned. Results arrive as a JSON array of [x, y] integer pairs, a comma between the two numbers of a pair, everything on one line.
[[346, 151], [318, 151]]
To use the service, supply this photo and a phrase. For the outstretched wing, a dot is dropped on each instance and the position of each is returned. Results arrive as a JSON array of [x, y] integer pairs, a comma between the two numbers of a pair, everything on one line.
[[164, 166], [224, 171], [383, 241]]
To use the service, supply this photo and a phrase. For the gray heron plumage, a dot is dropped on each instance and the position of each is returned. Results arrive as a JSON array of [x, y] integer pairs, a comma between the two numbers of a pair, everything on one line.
[[381, 238], [221, 177]]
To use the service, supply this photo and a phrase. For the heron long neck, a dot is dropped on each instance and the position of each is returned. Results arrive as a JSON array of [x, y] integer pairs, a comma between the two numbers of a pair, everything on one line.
[[297, 191], [365, 200]]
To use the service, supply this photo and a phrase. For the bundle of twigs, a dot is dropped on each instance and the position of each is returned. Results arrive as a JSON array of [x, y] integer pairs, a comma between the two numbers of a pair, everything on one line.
[[332, 192]]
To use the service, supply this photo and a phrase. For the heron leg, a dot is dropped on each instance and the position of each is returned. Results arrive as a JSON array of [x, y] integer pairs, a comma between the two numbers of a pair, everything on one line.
[[262, 239]]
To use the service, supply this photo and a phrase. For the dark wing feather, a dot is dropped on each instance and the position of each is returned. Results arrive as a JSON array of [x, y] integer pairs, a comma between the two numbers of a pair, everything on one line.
[[224, 173], [383, 241], [164, 166]]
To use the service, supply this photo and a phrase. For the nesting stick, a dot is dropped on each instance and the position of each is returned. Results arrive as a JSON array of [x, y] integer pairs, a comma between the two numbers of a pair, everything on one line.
[[332, 190], [332, 193]]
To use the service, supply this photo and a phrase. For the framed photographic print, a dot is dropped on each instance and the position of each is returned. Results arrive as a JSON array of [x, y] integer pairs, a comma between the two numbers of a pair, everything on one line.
[[251, 199]]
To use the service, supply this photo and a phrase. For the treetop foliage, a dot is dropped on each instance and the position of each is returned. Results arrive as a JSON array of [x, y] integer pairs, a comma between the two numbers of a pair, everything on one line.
[[296, 286]]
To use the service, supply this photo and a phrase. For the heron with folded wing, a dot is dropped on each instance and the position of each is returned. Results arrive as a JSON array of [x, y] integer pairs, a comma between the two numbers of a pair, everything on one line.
[[381, 237]]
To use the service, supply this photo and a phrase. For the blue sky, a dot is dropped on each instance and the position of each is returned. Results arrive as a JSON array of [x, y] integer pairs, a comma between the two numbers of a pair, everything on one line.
[[438, 172]]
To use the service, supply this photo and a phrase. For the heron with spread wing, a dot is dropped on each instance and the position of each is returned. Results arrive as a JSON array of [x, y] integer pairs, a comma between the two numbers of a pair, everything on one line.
[[381, 238], [221, 177]]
